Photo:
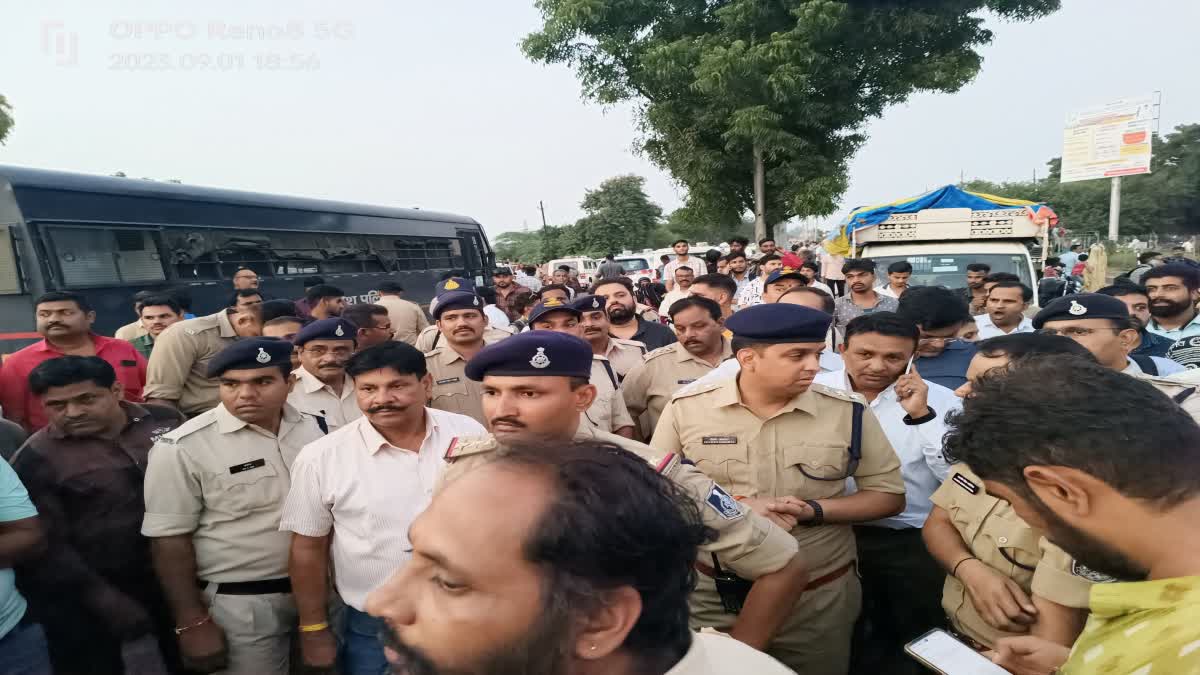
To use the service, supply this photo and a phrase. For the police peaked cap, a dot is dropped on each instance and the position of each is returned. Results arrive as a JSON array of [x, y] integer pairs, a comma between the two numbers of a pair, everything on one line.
[[333, 328], [533, 353], [251, 354], [1081, 306], [779, 324]]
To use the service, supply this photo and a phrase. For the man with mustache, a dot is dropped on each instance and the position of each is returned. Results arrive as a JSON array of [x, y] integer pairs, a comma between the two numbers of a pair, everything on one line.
[[1128, 512], [157, 312], [64, 320], [323, 389], [459, 317], [788, 447], [431, 337], [84, 472], [1174, 290], [702, 346], [354, 496], [1137, 301], [214, 491], [622, 354], [862, 298], [522, 567], [624, 321], [535, 387]]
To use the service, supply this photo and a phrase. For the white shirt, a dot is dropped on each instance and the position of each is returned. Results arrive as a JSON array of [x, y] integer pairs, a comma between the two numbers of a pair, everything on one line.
[[314, 397], [987, 329], [713, 653], [820, 286], [532, 283], [751, 293], [729, 369], [1165, 367], [919, 446], [671, 298], [368, 492], [886, 289], [693, 263], [496, 317]]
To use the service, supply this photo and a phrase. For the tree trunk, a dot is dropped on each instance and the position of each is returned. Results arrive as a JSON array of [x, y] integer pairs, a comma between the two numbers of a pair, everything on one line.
[[761, 229]]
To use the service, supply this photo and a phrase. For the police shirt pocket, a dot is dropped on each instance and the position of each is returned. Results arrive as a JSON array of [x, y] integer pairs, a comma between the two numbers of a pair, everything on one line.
[[815, 469], [722, 459], [449, 386], [1017, 544], [248, 487]]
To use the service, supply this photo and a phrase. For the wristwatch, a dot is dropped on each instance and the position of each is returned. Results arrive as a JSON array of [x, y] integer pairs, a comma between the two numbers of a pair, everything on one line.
[[927, 417], [818, 513]]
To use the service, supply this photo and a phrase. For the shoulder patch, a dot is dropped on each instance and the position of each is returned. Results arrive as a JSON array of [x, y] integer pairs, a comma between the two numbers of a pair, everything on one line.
[[838, 393], [696, 390], [965, 483], [726, 506], [669, 349], [465, 447], [1085, 572]]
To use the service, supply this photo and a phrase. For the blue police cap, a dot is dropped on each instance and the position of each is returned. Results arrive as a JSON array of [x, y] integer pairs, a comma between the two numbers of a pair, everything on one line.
[[535, 352], [552, 305], [589, 303], [1081, 306], [778, 324], [785, 273], [251, 353], [333, 328], [455, 300], [454, 284]]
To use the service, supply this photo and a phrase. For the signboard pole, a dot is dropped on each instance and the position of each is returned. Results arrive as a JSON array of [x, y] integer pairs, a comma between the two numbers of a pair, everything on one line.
[[1114, 209]]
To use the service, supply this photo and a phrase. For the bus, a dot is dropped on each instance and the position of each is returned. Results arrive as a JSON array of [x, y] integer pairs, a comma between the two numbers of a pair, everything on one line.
[[108, 237]]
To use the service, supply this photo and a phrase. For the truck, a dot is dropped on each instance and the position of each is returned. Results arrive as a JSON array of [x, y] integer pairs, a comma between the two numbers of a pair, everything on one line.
[[940, 243]]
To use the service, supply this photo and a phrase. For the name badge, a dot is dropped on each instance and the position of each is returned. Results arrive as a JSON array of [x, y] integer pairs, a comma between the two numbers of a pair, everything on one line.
[[252, 464], [685, 381], [965, 483], [449, 380], [127, 363], [719, 440]]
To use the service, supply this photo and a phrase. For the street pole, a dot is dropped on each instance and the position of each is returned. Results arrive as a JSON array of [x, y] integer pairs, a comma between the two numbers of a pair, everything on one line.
[[542, 208], [1114, 209]]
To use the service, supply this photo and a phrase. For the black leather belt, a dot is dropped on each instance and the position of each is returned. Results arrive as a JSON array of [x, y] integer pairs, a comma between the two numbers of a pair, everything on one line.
[[266, 587]]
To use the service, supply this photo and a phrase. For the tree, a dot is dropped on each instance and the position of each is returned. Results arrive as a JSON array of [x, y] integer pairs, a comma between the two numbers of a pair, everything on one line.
[[522, 246], [6, 120], [619, 215], [757, 105]]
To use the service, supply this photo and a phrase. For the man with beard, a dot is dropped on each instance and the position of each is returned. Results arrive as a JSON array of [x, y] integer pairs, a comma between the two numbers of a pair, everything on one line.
[[528, 386], [752, 293], [157, 312], [354, 495], [974, 294], [940, 314], [900, 581], [502, 278], [719, 288], [702, 346], [323, 389], [1128, 512], [788, 447], [737, 271], [326, 301], [1174, 291], [1101, 323], [373, 324], [571, 584], [624, 355], [64, 320], [84, 472], [623, 318], [459, 317], [862, 299], [214, 492], [1137, 301]]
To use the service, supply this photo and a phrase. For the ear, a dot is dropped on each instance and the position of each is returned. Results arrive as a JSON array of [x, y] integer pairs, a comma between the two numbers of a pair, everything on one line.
[[1129, 339], [91, 316], [1067, 492], [427, 385], [584, 396], [604, 630], [118, 390], [746, 357]]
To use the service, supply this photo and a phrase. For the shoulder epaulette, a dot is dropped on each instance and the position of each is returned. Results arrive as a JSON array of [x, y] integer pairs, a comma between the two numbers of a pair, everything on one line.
[[433, 352], [631, 343], [696, 390], [669, 349], [838, 393], [189, 427], [465, 447]]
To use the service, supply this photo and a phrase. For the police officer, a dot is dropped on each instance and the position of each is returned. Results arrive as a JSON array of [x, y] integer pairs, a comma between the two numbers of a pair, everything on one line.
[[177, 372], [555, 368], [214, 490], [622, 354], [460, 320], [322, 387], [788, 446], [702, 347], [430, 337], [608, 412]]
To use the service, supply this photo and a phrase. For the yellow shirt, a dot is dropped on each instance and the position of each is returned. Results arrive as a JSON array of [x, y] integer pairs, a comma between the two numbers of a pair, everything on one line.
[[1145, 627]]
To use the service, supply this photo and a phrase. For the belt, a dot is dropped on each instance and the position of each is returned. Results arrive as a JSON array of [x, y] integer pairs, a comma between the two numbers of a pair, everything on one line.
[[266, 587], [812, 585]]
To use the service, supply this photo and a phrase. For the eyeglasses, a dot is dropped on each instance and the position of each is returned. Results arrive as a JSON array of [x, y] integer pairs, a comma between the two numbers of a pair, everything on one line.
[[340, 352], [1074, 331], [942, 340]]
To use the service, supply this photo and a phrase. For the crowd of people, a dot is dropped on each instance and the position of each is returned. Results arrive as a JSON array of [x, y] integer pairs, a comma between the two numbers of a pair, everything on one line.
[[785, 463]]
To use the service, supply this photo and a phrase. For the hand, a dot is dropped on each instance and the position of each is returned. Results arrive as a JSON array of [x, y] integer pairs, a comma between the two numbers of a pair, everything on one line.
[[203, 648], [1029, 655], [318, 651], [762, 506], [913, 393], [998, 599], [793, 507], [141, 656]]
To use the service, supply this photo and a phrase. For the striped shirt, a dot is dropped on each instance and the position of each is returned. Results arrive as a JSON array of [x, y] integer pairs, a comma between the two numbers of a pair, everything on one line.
[[368, 492]]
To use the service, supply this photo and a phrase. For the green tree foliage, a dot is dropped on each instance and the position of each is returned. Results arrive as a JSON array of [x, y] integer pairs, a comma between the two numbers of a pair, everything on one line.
[[1166, 201], [6, 120], [523, 246], [756, 105]]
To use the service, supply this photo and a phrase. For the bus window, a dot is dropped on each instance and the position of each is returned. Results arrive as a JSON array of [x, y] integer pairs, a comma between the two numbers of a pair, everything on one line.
[[10, 281], [138, 259], [96, 257]]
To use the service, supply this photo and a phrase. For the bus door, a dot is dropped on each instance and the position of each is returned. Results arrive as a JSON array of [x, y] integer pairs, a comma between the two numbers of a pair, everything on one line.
[[476, 259]]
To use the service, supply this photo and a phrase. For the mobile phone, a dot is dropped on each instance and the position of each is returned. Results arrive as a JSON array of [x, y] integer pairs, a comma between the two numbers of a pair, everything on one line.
[[943, 653]]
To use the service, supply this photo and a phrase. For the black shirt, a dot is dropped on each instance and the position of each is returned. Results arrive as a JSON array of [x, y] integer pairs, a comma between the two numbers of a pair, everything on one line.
[[653, 335]]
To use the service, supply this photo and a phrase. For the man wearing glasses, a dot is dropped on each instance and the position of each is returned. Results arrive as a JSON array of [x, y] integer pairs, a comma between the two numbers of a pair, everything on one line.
[[1102, 324], [322, 388], [940, 313], [786, 447]]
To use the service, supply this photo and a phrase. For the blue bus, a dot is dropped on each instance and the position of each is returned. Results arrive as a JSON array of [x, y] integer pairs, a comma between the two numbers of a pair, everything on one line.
[[109, 237]]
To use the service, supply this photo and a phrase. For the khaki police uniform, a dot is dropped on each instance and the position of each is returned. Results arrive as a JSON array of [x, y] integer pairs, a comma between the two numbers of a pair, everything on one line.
[[311, 395], [624, 355], [178, 364], [996, 535], [223, 482], [131, 331], [1183, 388], [430, 338], [407, 317], [663, 372], [747, 544], [762, 458], [608, 411], [453, 391]]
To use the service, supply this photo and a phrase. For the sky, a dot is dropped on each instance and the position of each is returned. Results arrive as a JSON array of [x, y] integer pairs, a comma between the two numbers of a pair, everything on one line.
[[432, 104]]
